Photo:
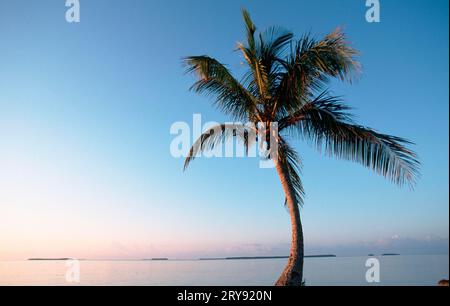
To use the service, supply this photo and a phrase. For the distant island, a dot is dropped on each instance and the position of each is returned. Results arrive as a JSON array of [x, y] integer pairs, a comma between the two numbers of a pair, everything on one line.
[[265, 257], [203, 259], [49, 259], [386, 254], [255, 257]]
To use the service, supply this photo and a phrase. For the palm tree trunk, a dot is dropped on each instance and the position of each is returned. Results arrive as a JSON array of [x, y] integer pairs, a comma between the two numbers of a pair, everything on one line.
[[293, 273]]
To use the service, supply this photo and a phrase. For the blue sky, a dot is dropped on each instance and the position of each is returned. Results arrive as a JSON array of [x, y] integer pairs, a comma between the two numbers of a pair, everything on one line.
[[85, 112]]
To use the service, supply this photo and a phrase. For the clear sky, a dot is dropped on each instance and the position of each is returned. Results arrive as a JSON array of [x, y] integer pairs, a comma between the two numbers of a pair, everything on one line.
[[85, 112]]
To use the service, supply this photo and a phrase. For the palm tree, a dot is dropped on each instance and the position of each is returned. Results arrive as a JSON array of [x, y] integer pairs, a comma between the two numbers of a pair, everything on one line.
[[286, 83]]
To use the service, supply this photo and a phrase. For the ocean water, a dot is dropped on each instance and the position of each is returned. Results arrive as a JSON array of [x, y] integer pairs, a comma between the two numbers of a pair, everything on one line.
[[340, 271]]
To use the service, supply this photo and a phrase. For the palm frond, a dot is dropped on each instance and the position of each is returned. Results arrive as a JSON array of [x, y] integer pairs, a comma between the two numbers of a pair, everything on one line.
[[215, 79], [262, 56], [323, 104], [333, 56], [251, 29], [259, 71], [219, 134], [326, 124], [272, 44], [291, 161], [310, 66]]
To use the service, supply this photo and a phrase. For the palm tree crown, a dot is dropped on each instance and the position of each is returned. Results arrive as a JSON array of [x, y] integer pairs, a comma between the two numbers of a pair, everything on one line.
[[286, 82]]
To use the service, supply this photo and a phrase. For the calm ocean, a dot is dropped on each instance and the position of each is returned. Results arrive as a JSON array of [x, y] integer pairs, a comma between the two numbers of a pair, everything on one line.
[[396, 270]]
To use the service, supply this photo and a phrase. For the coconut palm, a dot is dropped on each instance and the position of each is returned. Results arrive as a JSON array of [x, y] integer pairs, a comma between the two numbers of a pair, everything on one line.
[[286, 83]]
